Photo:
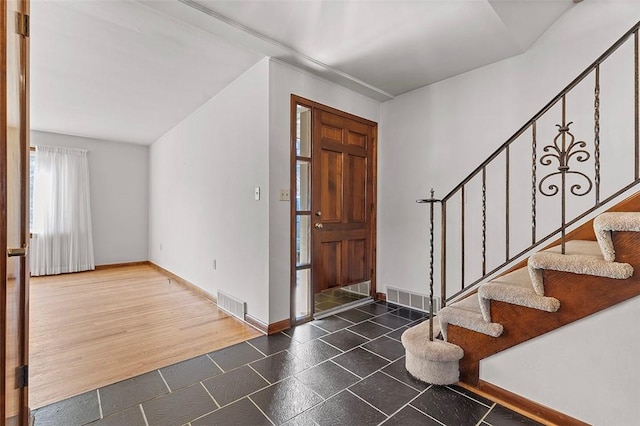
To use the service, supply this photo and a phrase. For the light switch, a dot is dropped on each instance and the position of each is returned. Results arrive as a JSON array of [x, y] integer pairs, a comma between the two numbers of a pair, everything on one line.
[[257, 193], [284, 195]]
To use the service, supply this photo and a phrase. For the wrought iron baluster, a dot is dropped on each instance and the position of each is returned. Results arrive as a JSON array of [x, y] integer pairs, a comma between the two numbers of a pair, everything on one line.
[[637, 104], [533, 182], [484, 221], [443, 256], [506, 204], [462, 242], [596, 132]]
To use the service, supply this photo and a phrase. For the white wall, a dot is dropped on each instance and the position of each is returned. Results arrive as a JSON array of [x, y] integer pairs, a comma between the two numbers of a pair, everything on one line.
[[201, 199], [285, 81], [119, 194], [434, 136], [588, 370]]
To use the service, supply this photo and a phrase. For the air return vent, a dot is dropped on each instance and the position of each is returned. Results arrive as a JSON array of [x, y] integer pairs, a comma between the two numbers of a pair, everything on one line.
[[411, 300], [232, 305]]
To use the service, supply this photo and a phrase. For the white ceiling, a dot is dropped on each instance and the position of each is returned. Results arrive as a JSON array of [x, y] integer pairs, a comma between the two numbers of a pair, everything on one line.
[[130, 71]]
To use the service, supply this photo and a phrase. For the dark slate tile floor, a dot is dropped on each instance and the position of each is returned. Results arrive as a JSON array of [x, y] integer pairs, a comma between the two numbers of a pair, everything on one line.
[[347, 369]]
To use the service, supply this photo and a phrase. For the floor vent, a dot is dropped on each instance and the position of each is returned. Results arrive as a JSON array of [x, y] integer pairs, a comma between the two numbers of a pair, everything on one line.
[[232, 305], [412, 300]]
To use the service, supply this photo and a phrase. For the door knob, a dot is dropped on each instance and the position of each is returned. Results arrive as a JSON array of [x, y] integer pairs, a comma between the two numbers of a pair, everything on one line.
[[318, 213], [318, 226]]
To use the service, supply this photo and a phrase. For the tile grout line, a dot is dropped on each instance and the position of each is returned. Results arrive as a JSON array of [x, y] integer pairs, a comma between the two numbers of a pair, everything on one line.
[[260, 409], [210, 396], [215, 363], [368, 403], [347, 370], [254, 347], [144, 415], [254, 392], [485, 415], [470, 397], [359, 335], [100, 404], [408, 404], [263, 378], [312, 390], [329, 331], [426, 414], [165, 382], [412, 387], [391, 361], [400, 381], [333, 346], [204, 415]]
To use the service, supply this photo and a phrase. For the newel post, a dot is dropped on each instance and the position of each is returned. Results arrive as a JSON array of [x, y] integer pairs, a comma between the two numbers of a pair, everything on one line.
[[431, 201]]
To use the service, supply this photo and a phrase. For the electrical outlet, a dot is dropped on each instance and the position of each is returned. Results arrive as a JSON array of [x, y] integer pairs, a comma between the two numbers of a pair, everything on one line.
[[284, 195], [256, 193]]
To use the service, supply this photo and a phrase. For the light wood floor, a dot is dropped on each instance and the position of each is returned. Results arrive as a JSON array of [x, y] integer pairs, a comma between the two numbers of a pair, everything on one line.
[[95, 328]]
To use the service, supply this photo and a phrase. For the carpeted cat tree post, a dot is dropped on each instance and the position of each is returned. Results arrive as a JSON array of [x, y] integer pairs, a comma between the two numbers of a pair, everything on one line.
[[431, 360]]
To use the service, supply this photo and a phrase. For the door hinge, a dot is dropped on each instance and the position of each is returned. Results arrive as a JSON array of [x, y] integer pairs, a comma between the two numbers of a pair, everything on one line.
[[23, 25], [22, 376]]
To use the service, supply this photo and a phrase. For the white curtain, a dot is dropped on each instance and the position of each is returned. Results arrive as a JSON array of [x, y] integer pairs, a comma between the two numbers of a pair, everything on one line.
[[62, 239]]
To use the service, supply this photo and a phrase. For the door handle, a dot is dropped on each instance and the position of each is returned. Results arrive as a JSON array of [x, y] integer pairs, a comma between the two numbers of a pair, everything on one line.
[[14, 252], [318, 226]]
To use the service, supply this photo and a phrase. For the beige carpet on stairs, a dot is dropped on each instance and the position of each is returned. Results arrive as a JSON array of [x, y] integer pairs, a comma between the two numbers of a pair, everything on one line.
[[523, 287]]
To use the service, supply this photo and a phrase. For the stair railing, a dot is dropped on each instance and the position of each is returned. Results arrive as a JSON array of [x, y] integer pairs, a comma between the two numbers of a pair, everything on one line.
[[578, 172]]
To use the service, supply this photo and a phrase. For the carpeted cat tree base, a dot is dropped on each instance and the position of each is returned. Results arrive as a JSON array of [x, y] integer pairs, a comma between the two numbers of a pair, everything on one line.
[[434, 362]]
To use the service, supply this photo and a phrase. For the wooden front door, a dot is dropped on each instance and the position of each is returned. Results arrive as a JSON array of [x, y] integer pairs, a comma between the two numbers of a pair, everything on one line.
[[14, 235], [342, 204]]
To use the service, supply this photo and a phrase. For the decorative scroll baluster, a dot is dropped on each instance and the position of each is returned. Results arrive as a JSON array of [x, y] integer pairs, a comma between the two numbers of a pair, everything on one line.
[[484, 221], [596, 132], [563, 154], [462, 242], [506, 206], [534, 148]]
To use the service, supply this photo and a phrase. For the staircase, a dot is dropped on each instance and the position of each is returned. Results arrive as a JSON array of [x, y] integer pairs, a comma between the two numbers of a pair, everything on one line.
[[593, 264], [599, 270]]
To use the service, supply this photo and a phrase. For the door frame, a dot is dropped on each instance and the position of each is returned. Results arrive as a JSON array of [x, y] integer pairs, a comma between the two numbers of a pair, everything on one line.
[[23, 317], [298, 100]]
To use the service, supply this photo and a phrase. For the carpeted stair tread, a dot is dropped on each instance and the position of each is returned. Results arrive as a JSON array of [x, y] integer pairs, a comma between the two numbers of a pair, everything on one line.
[[467, 313], [469, 303], [515, 288], [518, 278], [581, 257], [613, 221], [578, 247]]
